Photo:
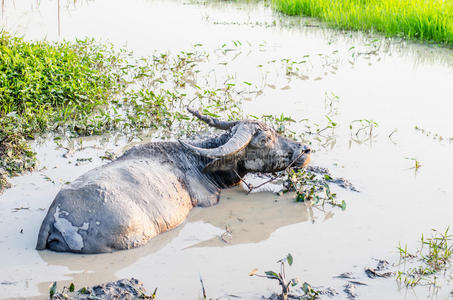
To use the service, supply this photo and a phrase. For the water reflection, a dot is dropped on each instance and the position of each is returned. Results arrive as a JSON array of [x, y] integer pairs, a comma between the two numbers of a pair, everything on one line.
[[250, 218], [87, 270]]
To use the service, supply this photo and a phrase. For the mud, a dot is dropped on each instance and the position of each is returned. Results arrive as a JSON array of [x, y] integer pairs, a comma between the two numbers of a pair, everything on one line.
[[121, 289]]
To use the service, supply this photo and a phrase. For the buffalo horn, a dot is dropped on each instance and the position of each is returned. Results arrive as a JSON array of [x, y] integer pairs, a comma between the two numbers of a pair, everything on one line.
[[236, 143]]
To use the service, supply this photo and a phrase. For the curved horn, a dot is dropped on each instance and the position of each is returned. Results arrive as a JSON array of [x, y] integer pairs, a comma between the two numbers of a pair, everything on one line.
[[236, 143], [212, 121]]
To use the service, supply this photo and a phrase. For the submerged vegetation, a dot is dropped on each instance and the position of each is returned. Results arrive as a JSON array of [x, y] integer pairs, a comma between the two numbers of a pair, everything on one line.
[[426, 20]]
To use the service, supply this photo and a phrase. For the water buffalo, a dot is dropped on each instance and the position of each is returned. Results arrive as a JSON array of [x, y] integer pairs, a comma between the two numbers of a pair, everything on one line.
[[151, 188]]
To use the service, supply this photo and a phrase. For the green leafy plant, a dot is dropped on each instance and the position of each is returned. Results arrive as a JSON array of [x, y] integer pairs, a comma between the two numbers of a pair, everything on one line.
[[285, 284], [310, 187], [52, 289]]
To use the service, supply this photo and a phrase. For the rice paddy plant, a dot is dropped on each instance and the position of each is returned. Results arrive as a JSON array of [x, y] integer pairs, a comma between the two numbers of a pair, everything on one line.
[[433, 256], [425, 20]]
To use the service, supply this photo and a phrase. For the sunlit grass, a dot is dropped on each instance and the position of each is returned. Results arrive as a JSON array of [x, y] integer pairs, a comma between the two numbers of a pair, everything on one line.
[[433, 256], [426, 20], [44, 85]]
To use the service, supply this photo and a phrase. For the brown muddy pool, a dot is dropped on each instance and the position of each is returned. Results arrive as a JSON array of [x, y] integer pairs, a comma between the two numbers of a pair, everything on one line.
[[352, 78]]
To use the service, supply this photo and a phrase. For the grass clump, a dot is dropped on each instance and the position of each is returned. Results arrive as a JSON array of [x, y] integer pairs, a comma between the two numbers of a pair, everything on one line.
[[433, 256], [426, 20], [45, 86]]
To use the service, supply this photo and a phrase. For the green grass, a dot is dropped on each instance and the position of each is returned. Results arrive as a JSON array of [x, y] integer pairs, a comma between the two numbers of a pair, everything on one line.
[[44, 86], [433, 256], [45, 82], [426, 20]]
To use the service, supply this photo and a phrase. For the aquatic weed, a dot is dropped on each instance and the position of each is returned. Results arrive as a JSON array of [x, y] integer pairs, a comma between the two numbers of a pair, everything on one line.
[[310, 187], [363, 131], [285, 284], [433, 256], [434, 135], [417, 163]]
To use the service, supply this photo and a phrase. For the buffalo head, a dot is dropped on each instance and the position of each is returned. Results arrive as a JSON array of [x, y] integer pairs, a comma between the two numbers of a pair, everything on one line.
[[250, 146]]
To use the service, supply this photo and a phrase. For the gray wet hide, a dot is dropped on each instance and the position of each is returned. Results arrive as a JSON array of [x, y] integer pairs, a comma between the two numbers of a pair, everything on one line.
[[151, 188]]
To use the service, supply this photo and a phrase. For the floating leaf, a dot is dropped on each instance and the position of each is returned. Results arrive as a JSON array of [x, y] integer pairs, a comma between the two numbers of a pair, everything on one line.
[[290, 259], [306, 288], [253, 272], [271, 274], [71, 287], [343, 205], [300, 198], [327, 177], [52, 289]]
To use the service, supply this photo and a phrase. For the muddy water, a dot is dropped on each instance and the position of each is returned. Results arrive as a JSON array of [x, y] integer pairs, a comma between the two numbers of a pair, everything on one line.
[[347, 77]]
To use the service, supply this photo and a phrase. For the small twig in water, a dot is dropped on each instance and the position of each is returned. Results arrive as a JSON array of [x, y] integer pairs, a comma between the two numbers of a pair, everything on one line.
[[228, 233], [260, 185], [203, 289], [251, 187]]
